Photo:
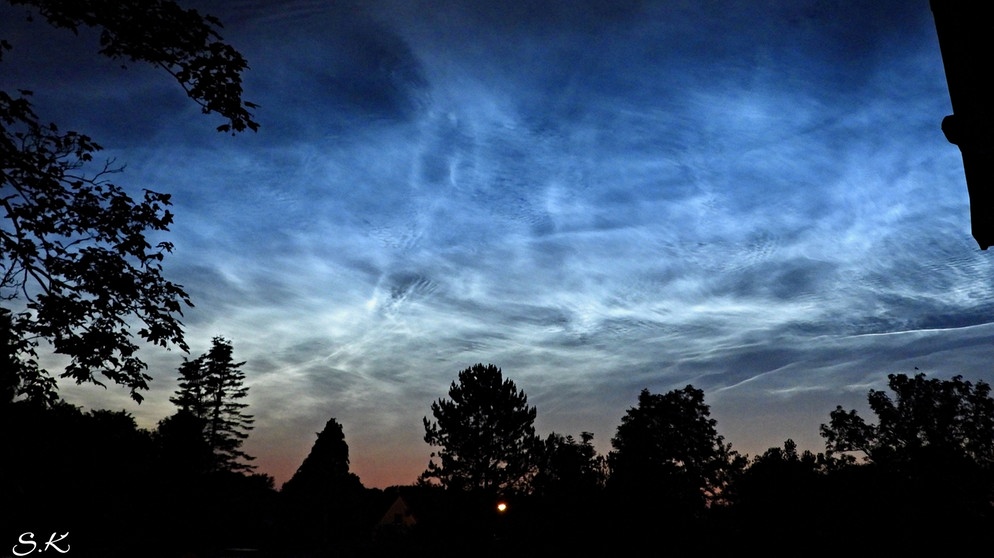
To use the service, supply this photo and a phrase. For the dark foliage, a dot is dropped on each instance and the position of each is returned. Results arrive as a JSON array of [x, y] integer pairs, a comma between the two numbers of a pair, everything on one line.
[[76, 266], [485, 433], [183, 42], [566, 506], [324, 506], [15, 376], [569, 469], [668, 447], [668, 469], [182, 446], [116, 487], [927, 459], [73, 247], [210, 394], [783, 495], [325, 470], [100, 478], [930, 420]]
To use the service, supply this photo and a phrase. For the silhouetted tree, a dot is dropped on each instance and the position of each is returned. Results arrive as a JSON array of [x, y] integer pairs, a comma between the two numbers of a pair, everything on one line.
[[928, 459], [78, 471], [325, 470], [323, 503], [485, 433], [566, 503], [783, 496], [568, 468], [184, 453], [191, 397], [72, 243], [669, 456], [211, 389], [930, 419], [16, 378]]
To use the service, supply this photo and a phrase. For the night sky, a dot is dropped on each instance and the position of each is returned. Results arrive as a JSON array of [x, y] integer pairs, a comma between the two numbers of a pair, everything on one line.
[[751, 197]]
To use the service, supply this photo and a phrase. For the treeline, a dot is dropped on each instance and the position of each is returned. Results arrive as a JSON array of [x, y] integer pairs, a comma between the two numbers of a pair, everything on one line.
[[120, 490], [919, 474], [918, 477]]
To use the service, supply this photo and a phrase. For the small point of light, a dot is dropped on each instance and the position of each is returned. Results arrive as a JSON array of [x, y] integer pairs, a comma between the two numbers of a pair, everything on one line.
[[501, 507]]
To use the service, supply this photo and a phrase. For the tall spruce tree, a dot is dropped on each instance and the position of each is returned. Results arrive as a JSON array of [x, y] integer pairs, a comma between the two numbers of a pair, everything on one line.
[[211, 389]]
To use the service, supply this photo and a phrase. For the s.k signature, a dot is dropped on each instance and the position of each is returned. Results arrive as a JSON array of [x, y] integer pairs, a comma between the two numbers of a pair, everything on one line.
[[26, 544]]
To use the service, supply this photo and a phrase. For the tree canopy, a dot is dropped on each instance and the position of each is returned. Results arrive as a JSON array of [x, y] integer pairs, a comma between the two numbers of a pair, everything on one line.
[[183, 42], [212, 387], [76, 267], [325, 470], [668, 447], [928, 419], [323, 503], [569, 468], [485, 433], [927, 460]]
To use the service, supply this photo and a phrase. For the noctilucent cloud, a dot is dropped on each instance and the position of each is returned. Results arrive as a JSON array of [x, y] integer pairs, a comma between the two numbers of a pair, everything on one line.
[[754, 198]]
